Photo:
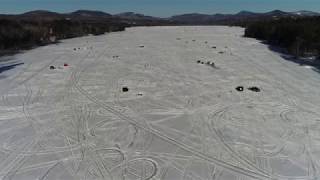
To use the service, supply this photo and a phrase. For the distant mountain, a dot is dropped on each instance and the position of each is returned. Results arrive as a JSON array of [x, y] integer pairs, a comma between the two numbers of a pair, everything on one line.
[[276, 13], [48, 15], [135, 16], [40, 13], [136, 19], [305, 13], [91, 14], [195, 18], [132, 18], [246, 13]]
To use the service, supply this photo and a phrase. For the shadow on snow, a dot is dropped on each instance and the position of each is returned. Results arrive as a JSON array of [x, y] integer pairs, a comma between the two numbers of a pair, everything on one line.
[[313, 63], [8, 67]]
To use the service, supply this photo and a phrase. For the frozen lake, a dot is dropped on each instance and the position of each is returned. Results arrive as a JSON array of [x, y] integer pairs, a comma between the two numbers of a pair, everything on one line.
[[147, 103]]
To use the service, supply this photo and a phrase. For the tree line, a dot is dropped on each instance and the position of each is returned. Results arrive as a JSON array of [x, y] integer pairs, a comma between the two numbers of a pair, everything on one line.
[[24, 34], [299, 36]]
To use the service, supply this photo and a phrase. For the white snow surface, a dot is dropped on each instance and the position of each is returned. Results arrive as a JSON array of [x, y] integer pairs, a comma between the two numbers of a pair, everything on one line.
[[179, 119]]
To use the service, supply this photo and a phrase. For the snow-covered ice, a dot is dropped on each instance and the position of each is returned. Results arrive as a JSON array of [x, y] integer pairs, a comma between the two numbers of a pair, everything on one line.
[[179, 119]]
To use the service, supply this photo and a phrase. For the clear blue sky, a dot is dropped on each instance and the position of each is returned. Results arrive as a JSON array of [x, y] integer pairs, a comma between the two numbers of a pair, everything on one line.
[[162, 8]]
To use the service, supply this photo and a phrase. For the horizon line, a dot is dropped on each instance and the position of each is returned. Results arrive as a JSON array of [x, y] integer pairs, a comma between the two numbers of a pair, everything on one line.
[[69, 12]]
